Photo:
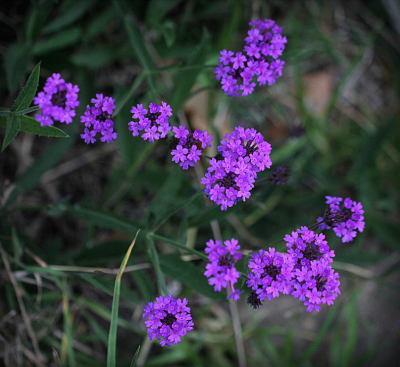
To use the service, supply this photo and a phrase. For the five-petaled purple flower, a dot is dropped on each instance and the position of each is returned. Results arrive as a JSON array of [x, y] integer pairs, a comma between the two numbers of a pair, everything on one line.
[[233, 171], [185, 147], [58, 101], [99, 118], [345, 218], [154, 121], [221, 270], [259, 60], [168, 318]]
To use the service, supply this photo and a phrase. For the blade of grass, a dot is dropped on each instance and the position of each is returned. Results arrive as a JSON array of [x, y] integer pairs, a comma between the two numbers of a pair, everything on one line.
[[112, 336], [138, 46], [321, 335], [153, 254], [135, 357], [67, 341]]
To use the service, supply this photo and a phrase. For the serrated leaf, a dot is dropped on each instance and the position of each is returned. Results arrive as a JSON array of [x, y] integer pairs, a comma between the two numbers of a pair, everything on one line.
[[190, 275], [25, 97], [59, 40], [12, 128], [30, 125], [16, 61]]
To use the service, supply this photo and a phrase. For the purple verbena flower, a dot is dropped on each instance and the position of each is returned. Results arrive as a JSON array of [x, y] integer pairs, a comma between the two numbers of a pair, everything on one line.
[[233, 171], [344, 216], [58, 101], [186, 148], [221, 270], [99, 118], [168, 319], [154, 122], [264, 45], [270, 273]]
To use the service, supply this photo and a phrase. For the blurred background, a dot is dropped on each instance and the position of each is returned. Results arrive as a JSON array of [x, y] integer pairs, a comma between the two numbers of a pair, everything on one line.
[[68, 209]]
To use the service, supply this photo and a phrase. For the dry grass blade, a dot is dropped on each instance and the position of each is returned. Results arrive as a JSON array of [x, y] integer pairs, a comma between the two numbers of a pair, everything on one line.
[[18, 293]]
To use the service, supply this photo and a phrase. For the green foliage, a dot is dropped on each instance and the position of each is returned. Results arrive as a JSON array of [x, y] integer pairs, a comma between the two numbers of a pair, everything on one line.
[[69, 211]]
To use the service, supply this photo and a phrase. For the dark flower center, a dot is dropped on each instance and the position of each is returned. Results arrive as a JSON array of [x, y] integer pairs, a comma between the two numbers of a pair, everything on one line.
[[253, 300], [224, 261], [229, 180], [59, 98], [320, 283], [312, 252], [169, 319], [272, 271], [334, 218]]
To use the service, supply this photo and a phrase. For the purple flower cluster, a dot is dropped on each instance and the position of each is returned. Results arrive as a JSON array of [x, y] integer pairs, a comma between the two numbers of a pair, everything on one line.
[[58, 101], [221, 270], [168, 318], [345, 218], [233, 171], [271, 273], [99, 118], [304, 271], [315, 281], [259, 59], [184, 146], [154, 121]]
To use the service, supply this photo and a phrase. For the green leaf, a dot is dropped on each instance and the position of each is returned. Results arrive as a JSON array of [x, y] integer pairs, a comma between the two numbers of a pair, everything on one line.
[[73, 13], [112, 336], [185, 79], [102, 218], [30, 125], [25, 97], [138, 46], [135, 357], [12, 129], [58, 41], [95, 57], [155, 260], [33, 174], [190, 275], [16, 61]]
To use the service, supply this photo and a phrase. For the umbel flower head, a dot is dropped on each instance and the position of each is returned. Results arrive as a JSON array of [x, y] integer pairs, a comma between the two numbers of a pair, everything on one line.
[[221, 270], [233, 171], [304, 272], [168, 319], [345, 218], [258, 61], [185, 147], [99, 118], [154, 121], [58, 101]]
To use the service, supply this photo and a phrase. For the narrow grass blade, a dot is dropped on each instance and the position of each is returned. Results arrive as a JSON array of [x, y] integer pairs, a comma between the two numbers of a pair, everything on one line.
[[135, 357], [155, 260], [112, 336], [25, 97], [67, 340], [321, 335]]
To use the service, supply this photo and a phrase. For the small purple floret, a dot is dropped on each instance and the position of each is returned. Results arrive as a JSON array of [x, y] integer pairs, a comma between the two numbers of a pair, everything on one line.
[[154, 122], [58, 101], [231, 176], [168, 319], [258, 61], [186, 148], [99, 118], [221, 269], [344, 216]]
